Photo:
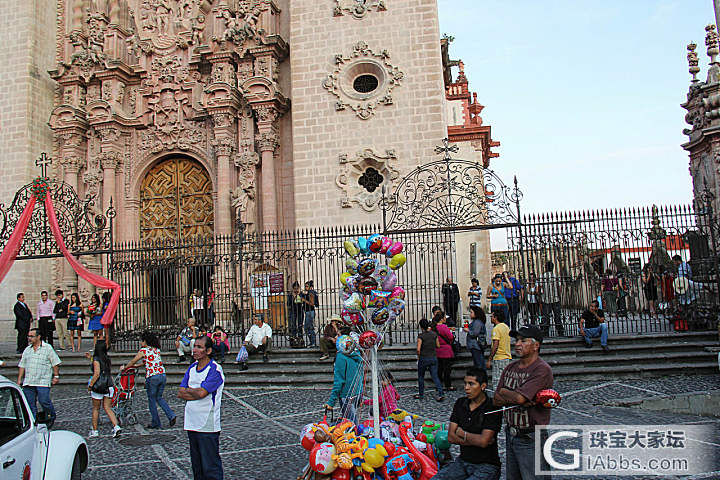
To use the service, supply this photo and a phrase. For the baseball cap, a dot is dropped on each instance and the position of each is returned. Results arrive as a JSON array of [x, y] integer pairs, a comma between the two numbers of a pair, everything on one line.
[[529, 331]]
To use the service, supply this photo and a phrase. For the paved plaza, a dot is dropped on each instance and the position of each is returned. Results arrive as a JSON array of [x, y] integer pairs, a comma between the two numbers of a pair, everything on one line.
[[260, 428]]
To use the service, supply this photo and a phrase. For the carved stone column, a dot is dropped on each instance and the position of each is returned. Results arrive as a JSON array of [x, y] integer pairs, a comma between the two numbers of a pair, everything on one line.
[[224, 147], [267, 143], [71, 168], [109, 162]]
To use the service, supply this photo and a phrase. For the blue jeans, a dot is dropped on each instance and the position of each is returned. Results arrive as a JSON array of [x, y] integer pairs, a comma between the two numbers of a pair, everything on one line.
[[424, 364], [520, 455], [42, 395], [205, 455], [310, 327], [599, 331], [348, 408], [478, 357], [295, 326], [155, 386], [514, 307], [459, 469]]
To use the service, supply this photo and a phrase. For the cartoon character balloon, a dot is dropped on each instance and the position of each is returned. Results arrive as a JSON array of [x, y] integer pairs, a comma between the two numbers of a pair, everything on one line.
[[345, 344], [321, 459]]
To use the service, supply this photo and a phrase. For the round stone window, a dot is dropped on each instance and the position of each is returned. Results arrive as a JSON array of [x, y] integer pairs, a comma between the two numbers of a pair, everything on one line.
[[363, 79], [365, 83]]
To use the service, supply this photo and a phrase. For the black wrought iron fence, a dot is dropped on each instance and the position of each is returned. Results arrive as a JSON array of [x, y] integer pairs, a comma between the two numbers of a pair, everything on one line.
[[237, 277], [624, 258]]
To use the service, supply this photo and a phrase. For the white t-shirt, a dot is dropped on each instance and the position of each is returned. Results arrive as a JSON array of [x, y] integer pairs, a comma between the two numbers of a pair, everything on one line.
[[256, 334], [203, 415]]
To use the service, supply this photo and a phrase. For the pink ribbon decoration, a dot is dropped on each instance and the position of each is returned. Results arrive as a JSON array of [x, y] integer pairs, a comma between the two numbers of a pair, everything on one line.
[[11, 250], [97, 280]]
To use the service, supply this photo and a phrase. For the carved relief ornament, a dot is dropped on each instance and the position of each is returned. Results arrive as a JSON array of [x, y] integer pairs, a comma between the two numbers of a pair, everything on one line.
[[357, 8], [353, 172], [363, 61]]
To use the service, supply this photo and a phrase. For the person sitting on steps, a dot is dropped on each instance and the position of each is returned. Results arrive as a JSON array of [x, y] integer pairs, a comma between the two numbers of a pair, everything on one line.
[[258, 339], [592, 324], [186, 339]]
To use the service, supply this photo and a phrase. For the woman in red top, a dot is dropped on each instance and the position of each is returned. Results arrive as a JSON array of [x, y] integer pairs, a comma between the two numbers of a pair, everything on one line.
[[154, 378], [444, 352]]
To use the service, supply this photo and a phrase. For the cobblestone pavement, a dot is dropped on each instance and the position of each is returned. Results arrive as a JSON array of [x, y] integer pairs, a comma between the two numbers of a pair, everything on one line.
[[259, 439]]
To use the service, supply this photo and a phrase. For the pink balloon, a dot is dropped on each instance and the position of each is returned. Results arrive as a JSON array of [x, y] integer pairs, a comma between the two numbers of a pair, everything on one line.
[[398, 292], [386, 244], [394, 249], [389, 283]]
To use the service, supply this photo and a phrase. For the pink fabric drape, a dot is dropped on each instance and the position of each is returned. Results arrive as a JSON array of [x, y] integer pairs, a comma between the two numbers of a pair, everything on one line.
[[87, 275], [10, 252]]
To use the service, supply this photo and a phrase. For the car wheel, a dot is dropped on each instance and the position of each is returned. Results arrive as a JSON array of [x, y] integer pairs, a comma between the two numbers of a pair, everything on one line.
[[76, 473]]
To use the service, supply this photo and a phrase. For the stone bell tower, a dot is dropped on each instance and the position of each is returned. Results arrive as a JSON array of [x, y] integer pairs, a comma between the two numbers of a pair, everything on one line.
[[368, 102]]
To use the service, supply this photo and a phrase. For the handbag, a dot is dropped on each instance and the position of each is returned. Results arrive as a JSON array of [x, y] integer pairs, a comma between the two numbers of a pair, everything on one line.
[[103, 384], [242, 355], [454, 344]]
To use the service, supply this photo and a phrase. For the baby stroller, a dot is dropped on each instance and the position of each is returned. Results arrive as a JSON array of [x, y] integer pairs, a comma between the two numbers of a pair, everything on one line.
[[123, 396]]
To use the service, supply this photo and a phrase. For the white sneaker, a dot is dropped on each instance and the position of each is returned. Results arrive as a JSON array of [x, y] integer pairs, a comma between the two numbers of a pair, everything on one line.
[[116, 430], [93, 433]]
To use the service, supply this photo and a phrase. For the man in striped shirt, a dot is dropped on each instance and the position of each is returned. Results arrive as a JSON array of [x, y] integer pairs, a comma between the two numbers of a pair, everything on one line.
[[475, 293]]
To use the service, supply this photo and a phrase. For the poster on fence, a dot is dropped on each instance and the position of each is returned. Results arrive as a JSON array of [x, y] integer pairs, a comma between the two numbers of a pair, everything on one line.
[[259, 290]]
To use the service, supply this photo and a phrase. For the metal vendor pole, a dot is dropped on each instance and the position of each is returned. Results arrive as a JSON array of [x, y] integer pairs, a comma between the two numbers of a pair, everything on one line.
[[375, 396]]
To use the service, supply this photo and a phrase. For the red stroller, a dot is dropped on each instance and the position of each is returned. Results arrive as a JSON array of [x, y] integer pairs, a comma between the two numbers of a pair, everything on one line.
[[123, 396]]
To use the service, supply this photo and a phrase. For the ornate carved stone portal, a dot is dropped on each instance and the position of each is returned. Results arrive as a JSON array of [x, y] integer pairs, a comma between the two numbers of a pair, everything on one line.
[[176, 201], [195, 81]]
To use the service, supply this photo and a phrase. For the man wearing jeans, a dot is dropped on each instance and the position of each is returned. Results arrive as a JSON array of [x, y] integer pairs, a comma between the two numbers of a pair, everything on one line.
[[592, 324], [202, 388], [310, 299], [519, 383], [38, 369]]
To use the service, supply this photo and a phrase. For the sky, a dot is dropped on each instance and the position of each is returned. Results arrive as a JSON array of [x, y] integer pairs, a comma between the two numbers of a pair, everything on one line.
[[583, 96]]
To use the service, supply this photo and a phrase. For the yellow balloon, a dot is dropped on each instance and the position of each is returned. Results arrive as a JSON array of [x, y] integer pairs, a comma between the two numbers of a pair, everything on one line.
[[373, 458], [344, 276], [350, 248], [381, 450], [397, 261], [366, 467]]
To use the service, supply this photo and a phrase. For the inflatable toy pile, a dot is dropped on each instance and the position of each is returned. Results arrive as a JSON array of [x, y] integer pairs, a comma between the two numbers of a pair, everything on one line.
[[347, 451]]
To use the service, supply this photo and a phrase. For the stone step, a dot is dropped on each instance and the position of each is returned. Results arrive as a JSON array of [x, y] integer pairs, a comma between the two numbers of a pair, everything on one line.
[[630, 357]]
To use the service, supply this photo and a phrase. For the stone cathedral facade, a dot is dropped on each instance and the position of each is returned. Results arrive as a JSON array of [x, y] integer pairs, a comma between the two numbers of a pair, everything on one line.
[[190, 114]]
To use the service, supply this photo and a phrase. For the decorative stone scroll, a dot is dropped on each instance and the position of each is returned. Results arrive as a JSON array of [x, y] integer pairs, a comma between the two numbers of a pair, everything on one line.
[[363, 62]]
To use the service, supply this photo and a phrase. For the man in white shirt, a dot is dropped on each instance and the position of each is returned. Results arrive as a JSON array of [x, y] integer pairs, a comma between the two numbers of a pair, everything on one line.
[[37, 371], [46, 317], [258, 339], [202, 389]]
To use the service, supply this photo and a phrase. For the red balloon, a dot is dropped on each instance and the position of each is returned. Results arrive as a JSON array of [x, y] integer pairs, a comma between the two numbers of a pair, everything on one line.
[[341, 474], [548, 398], [368, 339]]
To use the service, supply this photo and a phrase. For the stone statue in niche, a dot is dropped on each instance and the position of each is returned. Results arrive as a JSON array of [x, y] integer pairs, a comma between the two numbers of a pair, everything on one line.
[[243, 200], [198, 29]]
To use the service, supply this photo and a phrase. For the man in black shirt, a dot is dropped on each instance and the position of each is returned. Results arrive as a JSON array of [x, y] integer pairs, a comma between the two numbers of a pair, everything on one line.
[[475, 432], [592, 324], [62, 307]]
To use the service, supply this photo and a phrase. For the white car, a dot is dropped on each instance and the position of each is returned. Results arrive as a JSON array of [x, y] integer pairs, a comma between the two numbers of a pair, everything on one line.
[[28, 450]]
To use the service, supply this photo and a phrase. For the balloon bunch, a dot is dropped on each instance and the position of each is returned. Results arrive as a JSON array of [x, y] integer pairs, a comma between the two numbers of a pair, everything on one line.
[[347, 451], [370, 291]]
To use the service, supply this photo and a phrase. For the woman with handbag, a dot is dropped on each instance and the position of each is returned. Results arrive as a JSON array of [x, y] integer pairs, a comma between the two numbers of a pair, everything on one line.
[[101, 388], [444, 351], [95, 312], [75, 320], [154, 378]]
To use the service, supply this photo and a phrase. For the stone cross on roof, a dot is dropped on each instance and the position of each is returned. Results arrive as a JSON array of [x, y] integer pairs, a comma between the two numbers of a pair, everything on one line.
[[43, 163]]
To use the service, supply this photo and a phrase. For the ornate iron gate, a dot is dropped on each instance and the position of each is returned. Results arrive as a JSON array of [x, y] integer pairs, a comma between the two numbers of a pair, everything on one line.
[[636, 246]]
